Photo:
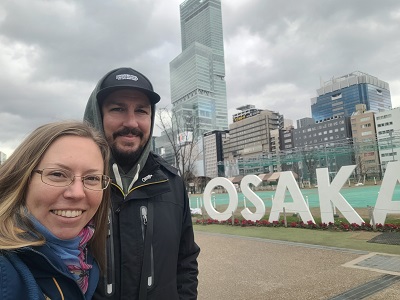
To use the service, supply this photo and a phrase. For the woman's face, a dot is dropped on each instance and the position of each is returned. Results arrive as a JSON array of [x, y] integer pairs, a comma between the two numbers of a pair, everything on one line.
[[66, 210]]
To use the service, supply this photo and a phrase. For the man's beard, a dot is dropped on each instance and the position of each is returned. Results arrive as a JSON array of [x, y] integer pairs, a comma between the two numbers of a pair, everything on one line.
[[126, 160]]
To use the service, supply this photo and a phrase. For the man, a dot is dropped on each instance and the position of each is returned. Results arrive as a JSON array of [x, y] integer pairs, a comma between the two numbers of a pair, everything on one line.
[[151, 248]]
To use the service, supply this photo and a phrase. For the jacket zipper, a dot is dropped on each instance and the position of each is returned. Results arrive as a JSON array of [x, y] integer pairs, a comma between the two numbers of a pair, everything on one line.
[[143, 214], [110, 280]]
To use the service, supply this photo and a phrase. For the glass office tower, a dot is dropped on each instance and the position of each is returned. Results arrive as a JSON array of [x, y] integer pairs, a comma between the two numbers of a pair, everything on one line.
[[339, 96], [198, 88]]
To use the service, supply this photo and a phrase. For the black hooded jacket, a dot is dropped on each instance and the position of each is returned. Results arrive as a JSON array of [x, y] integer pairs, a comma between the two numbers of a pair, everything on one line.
[[151, 229]]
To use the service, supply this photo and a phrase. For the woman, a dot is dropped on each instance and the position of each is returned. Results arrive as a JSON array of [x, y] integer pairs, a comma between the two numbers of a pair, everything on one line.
[[53, 214]]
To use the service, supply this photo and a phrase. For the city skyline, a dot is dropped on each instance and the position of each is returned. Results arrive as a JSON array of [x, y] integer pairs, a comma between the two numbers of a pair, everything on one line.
[[275, 55]]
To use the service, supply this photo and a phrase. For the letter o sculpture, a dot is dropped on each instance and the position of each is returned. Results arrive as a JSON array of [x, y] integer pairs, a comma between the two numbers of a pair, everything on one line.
[[232, 196]]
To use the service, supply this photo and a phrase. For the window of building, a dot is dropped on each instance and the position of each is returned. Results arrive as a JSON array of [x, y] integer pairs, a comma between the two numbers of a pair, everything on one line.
[[366, 133], [336, 96]]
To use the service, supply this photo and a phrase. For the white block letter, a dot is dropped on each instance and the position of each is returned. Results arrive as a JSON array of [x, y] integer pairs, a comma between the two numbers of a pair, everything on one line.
[[329, 194], [253, 198], [384, 203], [286, 180], [233, 198]]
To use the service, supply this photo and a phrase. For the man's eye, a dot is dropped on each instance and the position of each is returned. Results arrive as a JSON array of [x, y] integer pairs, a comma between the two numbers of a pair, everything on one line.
[[142, 111], [116, 109]]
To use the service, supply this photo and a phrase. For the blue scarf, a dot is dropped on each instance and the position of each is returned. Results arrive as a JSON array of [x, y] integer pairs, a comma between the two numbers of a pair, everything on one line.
[[67, 250], [71, 251]]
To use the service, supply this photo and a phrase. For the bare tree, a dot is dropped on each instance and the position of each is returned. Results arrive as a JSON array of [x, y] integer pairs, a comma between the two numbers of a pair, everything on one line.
[[184, 141], [310, 159]]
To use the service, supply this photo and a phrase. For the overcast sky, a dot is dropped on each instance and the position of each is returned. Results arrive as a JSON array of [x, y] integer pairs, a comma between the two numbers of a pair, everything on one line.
[[52, 53]]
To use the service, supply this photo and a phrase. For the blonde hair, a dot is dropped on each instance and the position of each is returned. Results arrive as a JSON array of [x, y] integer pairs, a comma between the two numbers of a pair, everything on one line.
[[15, 176]]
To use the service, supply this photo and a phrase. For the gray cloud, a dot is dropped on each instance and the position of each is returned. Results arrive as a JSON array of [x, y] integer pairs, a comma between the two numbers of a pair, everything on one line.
[[53, 52]]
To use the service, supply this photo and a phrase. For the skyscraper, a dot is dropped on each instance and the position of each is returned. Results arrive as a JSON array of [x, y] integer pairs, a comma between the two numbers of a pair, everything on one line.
[[198, 88], [339, 96], [388, 136]]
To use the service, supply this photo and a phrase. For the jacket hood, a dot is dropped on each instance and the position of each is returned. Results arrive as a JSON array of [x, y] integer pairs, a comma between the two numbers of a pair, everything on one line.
[[93, 116]]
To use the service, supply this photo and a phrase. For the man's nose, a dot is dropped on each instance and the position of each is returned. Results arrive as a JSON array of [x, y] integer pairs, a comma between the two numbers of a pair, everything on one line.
[[130, 120]]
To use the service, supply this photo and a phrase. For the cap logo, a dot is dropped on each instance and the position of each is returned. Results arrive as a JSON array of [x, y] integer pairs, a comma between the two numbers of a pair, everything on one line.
[[126, 76]]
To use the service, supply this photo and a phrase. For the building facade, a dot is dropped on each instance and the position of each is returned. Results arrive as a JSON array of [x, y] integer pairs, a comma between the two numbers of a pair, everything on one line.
[[304, 122], [250, 139], [339, 96], [324, 144], [286, 147], [388, 136], [213, 153], [198, 88], [365, 147], [163, 146]]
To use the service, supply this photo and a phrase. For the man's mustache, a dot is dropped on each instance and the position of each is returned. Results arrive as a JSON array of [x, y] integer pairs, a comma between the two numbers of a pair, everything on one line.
[[127, 131]]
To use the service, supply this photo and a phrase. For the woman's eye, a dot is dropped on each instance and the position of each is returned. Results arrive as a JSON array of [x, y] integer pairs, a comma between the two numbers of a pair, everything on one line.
[[58, 174], [92, 179]]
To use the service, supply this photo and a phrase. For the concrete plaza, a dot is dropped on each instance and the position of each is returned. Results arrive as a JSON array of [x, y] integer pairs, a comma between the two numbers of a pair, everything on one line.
[[233, 267]]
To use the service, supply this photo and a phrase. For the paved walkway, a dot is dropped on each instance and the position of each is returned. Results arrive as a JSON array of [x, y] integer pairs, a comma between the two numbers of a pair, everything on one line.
[[233, 267]]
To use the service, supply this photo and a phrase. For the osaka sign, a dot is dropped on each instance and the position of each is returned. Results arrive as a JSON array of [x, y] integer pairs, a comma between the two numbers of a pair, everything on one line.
[[328, 193]]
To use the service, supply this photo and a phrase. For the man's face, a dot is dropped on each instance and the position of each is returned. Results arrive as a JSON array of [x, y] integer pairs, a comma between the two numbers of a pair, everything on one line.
[[127, 123]]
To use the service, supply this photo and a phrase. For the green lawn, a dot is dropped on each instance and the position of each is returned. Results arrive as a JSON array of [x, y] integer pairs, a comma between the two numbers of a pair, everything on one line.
[[351, 240]]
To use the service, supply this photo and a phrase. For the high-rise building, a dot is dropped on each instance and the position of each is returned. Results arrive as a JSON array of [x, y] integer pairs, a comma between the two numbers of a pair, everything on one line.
[[339, 96], [250, 140], [366, 152], [213, 153], [198, 88], [388, 135], [303, 122], [324, 144], [164, 147]]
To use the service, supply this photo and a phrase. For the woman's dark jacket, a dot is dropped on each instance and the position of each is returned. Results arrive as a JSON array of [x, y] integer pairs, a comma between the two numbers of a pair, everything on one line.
[[36, 273]]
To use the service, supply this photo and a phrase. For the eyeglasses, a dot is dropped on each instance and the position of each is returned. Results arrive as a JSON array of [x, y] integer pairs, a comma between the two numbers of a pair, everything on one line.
[[63, 178]]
